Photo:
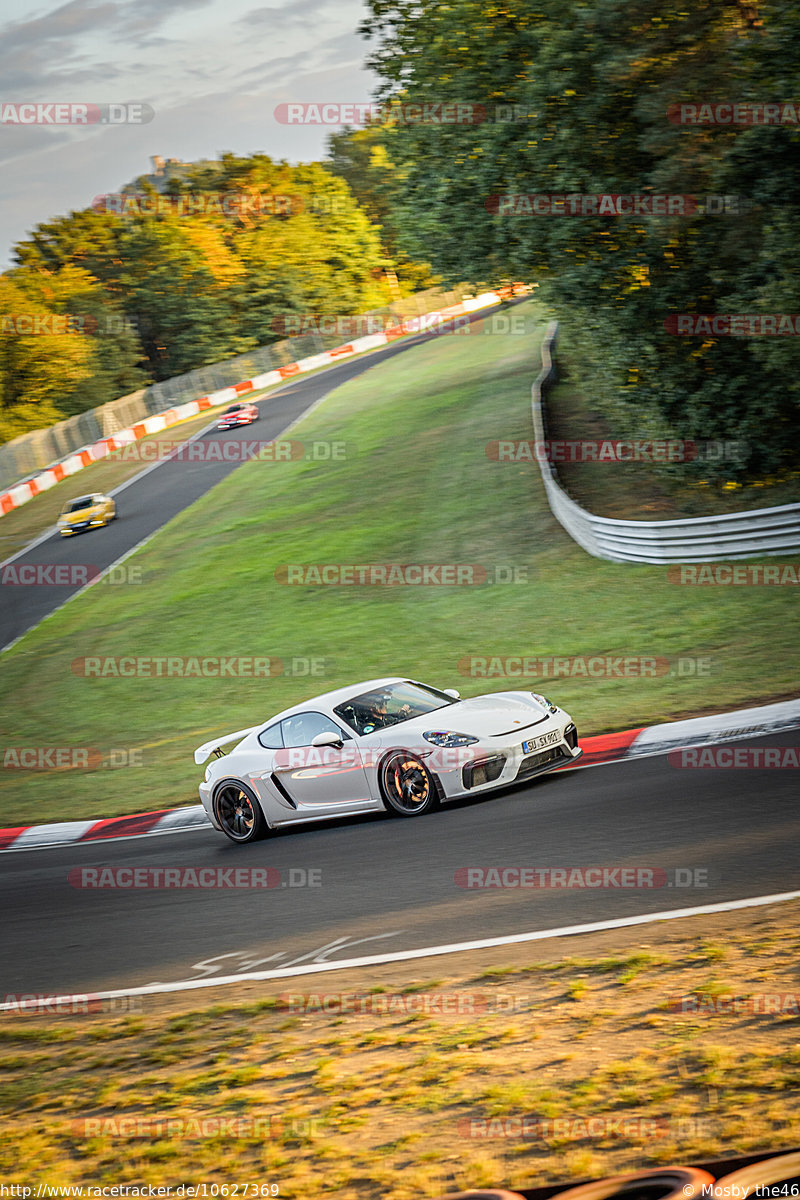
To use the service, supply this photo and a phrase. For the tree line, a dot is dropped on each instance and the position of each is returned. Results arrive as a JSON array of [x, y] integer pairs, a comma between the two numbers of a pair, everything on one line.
[[144, 285], [613, 103]]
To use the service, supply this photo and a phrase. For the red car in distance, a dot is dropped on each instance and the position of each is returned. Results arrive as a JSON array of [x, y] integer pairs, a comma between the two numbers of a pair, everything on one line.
[[238, 414]]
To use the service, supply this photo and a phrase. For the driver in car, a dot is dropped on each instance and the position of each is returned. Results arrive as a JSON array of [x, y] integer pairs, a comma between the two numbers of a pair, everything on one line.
[[379, 715]]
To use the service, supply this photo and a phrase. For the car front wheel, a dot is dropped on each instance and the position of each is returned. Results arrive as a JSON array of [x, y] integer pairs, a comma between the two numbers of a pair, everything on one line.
[[407, 786], [239, 813]]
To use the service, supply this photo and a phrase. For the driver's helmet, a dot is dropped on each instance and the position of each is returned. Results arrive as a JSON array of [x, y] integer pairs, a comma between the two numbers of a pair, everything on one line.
[[375, 712]]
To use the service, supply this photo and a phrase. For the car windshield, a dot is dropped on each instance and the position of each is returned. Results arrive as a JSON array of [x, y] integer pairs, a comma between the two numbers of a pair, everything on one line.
[[390, 704], [77, 505], [234, 408]]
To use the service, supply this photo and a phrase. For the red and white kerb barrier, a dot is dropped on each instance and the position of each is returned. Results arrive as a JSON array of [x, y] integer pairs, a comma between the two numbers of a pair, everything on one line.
[[23, 492]]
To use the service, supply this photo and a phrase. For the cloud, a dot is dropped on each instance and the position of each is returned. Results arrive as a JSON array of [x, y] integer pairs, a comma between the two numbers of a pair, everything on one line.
[[161, 10], [53, 50], [345, 47], [44, 51], [142, 17], [277, 70], [64, 24], [212, 89], [18, 141], [298, 14], [299, 69]]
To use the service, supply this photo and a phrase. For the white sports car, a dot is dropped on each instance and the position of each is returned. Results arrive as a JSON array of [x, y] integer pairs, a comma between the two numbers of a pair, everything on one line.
[[388, 744]]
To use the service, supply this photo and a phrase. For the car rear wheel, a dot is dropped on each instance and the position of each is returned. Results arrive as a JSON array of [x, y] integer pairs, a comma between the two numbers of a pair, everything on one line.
[[239, 813], [407, 786]]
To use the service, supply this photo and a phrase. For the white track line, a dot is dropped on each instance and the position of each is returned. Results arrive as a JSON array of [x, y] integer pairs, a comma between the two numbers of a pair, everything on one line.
[[117, 562], [290, 383], [37, 541], [256, 399], [135, 479], [373, 960], [53, 530]]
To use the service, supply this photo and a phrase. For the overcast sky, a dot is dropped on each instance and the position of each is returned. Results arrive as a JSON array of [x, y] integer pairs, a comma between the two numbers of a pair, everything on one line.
[[213, 71]]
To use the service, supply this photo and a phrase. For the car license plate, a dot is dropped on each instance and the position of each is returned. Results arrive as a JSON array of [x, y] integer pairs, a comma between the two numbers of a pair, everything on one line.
[[546, 739]]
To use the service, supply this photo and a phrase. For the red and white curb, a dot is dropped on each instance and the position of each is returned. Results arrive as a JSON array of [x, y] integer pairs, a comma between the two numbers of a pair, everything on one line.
[[604, 748], [25, 491], [64, 833], [693, 731]]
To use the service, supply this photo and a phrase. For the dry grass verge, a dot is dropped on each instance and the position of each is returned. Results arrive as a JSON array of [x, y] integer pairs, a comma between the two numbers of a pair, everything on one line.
[[524, 1065]]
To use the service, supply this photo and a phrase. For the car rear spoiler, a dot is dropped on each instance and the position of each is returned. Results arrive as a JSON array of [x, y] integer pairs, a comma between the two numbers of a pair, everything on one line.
[[208, 748]]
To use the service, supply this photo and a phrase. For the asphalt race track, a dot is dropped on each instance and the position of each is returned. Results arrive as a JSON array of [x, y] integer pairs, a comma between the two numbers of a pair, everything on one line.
[[388, 885], [384, 885], [150, 502]]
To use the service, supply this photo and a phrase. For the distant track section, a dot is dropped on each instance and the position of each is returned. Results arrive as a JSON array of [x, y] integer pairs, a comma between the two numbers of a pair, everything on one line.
[[160, 492]]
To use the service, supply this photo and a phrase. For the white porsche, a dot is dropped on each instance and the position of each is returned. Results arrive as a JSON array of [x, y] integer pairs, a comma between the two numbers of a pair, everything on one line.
[[390, 744]]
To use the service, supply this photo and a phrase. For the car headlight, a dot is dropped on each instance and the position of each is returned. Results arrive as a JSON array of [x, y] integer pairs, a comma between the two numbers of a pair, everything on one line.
[[446, 737], [545, 702]]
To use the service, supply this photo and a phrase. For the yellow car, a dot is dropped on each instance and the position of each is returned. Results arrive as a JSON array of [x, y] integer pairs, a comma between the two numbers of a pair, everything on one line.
[[86, 512]]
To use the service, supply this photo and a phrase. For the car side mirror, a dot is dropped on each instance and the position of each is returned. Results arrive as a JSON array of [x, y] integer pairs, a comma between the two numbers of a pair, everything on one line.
[[328, 738], [452, 692]]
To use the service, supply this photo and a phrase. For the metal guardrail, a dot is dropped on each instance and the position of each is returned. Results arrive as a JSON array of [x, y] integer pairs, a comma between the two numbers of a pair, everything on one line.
[[762, 531]]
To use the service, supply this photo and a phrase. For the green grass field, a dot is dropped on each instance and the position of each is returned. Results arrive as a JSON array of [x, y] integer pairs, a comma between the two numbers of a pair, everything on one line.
[[416, 487]]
